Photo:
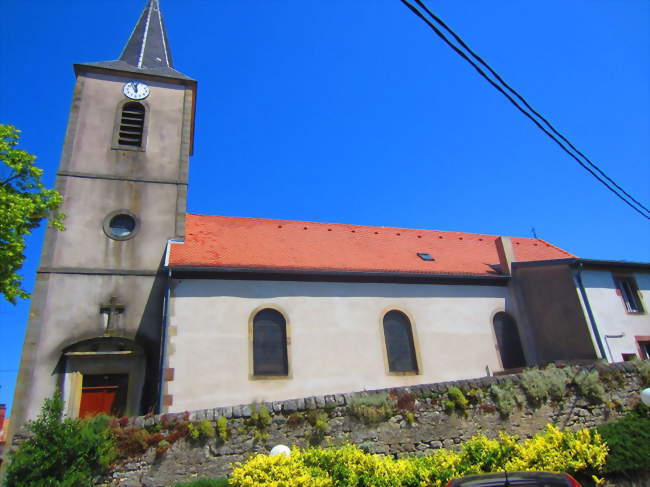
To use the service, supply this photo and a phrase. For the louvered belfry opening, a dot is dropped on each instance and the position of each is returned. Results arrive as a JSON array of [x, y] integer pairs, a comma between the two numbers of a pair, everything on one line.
[[132, 125]]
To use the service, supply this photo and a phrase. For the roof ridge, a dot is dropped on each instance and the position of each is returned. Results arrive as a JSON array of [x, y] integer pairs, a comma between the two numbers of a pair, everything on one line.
[[555, 247], [357, 225]]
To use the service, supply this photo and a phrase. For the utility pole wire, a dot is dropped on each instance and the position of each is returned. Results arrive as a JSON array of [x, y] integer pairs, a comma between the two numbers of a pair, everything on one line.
[[523, 100], [643, 211]]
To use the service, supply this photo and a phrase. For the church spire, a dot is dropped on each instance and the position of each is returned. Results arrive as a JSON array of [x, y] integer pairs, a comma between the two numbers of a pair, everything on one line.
[[147, 50], [148, 47]]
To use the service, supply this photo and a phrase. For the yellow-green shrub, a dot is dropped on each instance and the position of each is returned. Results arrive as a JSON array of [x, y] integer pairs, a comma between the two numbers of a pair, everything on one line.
[[222, 429], [278, 471], [560, 451], [259, 421], [456, 401], [201, 430], [349, 466], [437, 469]]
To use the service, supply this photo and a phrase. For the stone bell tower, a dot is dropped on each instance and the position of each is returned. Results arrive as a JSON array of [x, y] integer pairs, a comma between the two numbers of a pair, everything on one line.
[[96, 315]]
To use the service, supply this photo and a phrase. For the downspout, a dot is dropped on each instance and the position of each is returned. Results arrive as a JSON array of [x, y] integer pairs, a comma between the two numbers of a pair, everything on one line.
[[163, 332], [590, 314], [163, 341]]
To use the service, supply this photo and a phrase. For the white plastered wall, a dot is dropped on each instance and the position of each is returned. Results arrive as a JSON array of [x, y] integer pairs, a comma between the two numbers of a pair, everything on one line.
[[336, 337], [610, 314]]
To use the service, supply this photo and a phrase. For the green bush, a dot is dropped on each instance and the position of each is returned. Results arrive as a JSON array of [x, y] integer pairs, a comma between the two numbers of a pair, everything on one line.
[[557, 380], [643, 366], [202, 430], [409, 417], [505, 398], [475, 396], [372, 409], [456, 401], [318, 420], [629, 442], [61, 452], [535, 386], [539, 385], [223, 433], [589, 385], [259, 421]]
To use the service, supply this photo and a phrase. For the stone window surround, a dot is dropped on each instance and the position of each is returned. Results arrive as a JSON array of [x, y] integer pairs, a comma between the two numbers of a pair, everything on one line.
[[107, 221], [414, 335], [287, 325]]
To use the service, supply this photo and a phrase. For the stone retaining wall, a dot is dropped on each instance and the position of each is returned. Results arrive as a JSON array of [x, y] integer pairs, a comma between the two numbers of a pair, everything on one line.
[[433, 427]]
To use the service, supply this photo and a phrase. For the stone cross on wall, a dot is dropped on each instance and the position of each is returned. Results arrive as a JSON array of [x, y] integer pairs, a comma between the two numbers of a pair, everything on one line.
[[109, 313]]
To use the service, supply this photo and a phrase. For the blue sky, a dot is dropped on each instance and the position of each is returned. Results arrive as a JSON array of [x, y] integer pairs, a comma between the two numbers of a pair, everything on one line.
[[354, 111]]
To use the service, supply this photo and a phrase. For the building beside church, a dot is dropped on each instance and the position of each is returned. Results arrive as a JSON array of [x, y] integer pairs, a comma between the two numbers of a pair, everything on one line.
[[141, 307]]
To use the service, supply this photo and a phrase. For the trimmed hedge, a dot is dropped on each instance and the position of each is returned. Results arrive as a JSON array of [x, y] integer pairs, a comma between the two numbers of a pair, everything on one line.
[[629, 442], [554, 450]]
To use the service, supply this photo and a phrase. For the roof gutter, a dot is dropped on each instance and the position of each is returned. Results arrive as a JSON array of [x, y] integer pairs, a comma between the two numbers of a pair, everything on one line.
[[319, 274], [574, 261]]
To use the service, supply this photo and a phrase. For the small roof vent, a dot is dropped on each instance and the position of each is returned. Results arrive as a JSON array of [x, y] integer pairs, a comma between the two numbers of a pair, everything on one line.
[[425, 256]]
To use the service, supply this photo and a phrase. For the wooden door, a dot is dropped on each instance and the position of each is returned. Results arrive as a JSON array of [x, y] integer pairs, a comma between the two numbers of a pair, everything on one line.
[[104, 393]]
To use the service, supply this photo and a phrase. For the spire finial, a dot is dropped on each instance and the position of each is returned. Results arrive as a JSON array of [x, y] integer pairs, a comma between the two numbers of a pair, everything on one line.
[[148, 47]]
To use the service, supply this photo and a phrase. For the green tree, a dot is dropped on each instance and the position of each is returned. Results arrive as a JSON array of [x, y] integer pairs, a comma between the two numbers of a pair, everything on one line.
[[24, 202], [61, 452]]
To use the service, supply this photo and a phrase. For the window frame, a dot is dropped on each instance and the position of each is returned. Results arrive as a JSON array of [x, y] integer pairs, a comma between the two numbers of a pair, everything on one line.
[[627, 287], [414, 339], [639, 340], [251, 346], [106, 225], [118, 122]]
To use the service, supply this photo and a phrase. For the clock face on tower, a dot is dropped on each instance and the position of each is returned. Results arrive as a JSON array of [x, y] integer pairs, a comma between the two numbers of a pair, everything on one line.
[[136, 90]]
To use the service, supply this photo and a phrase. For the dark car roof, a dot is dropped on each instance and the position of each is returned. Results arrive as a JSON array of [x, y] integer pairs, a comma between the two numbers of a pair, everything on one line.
[[515, 479]]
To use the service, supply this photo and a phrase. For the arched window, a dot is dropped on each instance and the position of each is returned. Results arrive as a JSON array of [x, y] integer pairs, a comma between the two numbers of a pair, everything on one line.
[[507, 335], [131, 125], [399, 342], [270, 343]]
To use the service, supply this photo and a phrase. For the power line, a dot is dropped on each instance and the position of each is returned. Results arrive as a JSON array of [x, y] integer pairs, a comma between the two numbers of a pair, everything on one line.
[[523, 100], [641, 209]]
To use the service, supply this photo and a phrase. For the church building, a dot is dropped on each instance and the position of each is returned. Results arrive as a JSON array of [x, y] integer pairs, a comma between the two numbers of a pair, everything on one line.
[[142, 307]]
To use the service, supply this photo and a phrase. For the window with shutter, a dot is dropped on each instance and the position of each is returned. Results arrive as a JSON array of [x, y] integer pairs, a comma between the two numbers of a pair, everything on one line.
[[131, 125]]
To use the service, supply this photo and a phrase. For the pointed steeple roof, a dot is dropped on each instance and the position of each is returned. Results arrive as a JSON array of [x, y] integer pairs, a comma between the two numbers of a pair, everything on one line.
[[148, 47], [147, 50]]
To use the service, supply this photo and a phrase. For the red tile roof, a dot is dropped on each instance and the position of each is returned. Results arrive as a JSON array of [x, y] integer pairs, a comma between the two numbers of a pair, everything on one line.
[[234, 242]]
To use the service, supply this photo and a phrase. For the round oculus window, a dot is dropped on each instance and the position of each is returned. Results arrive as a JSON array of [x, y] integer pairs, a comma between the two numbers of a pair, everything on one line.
[[120, 225]]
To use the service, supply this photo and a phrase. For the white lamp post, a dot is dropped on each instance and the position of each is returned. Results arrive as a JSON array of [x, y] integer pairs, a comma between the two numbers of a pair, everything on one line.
[[280, 450], [645, 396]]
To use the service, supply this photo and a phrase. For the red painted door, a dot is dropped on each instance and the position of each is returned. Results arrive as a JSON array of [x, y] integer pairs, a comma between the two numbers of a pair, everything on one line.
[[104, 393]]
